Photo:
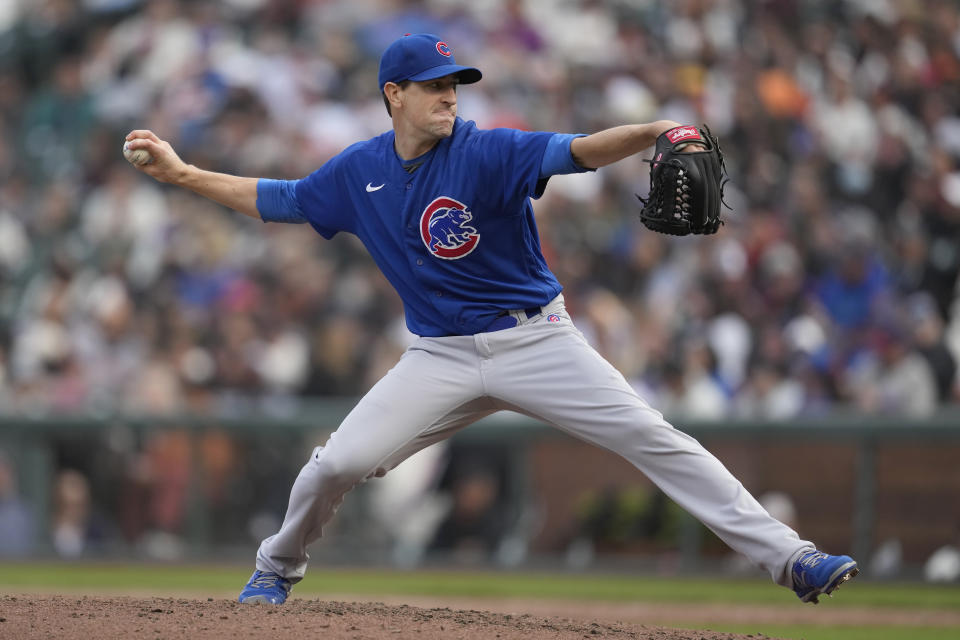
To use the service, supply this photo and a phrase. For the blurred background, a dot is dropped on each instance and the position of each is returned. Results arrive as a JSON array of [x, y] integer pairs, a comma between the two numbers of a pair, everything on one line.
[[166, 365]]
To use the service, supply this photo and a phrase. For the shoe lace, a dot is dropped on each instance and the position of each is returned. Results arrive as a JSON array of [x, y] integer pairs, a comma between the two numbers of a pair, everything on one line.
[[812, 560], [265, 580]]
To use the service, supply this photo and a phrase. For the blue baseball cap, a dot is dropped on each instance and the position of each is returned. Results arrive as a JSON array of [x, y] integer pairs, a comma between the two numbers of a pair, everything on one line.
[[422, 56]]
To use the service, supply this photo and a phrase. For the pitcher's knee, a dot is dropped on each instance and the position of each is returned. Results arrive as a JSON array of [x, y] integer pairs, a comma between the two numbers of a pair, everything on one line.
[[340, 472]]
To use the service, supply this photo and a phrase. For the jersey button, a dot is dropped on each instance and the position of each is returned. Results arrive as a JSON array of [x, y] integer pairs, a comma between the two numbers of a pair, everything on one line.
[[439, 294], [419, 262], [409, 185]]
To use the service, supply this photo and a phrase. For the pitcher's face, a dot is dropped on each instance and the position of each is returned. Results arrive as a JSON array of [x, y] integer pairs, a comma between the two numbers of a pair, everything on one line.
[[431, 105]]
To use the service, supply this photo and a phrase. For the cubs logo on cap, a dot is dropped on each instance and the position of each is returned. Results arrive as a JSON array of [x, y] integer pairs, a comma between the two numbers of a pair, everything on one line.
[[444, 229], [422, 56]]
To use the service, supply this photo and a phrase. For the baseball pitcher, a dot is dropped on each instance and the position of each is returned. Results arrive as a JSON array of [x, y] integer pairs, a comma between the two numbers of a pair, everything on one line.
[[444, 209]]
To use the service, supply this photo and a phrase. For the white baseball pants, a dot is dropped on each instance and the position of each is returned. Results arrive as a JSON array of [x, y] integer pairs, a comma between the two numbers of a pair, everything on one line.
[[542, 368]]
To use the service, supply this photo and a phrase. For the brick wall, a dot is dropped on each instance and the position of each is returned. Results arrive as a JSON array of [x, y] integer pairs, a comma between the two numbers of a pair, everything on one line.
[[917, 487]]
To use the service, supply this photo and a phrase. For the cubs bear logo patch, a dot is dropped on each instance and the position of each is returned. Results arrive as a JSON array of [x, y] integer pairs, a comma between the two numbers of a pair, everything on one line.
[[444, 229]]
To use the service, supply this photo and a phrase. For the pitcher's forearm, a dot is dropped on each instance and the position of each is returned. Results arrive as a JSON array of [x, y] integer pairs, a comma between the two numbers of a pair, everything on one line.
[[240, 194], [614, 144]]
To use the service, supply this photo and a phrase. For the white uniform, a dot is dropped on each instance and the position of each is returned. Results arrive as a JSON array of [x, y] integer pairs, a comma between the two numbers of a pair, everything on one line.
[[542, 368]]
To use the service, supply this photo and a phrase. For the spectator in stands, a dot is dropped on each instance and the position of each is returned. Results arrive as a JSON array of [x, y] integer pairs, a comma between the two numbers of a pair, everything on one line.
[[476, 481], [892, 378], [828, 120], [17, 534], [72, 525], [929, 337]]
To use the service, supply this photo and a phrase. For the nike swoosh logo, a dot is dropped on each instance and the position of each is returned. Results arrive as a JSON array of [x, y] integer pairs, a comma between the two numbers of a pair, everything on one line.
[[371, 188]]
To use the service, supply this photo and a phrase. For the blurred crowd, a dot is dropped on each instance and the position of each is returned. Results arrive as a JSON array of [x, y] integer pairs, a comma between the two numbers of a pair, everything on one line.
[[833, 284]]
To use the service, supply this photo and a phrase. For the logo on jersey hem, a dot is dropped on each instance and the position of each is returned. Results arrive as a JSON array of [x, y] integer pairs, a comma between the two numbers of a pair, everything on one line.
[[444, 229]]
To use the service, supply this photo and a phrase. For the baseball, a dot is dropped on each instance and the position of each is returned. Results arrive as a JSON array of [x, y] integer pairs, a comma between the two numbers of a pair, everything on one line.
[[136, 156]]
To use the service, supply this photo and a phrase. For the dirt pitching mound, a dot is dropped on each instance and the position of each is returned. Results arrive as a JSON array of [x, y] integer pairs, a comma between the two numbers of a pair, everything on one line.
[[29, 617]]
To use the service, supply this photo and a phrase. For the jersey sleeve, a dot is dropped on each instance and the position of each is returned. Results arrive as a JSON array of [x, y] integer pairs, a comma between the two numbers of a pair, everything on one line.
[[558, 159], [320, 202], [515, 157], [277, 201]]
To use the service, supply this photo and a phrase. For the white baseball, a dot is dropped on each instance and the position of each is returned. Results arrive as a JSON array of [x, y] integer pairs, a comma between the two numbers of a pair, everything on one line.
[[136, 156]]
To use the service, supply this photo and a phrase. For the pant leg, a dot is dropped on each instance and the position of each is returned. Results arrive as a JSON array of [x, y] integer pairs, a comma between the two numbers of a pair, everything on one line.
[[549, 371], [429, 393]]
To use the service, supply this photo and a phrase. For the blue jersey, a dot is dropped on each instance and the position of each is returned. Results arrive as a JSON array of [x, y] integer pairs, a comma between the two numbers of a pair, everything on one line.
[[456, 237]]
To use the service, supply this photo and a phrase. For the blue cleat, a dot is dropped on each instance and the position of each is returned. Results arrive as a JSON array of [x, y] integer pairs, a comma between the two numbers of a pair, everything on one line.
[[266, 587], [815, 573]]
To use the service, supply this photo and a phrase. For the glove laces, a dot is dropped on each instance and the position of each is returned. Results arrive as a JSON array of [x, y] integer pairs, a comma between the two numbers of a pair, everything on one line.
[[723, 166]]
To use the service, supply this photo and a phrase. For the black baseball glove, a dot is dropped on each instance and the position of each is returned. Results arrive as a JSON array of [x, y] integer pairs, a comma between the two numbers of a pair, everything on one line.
[[686, 187]]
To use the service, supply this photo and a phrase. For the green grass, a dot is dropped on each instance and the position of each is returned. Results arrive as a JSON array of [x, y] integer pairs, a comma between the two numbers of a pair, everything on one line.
[[223, 581], [808, 632], [570, 586]]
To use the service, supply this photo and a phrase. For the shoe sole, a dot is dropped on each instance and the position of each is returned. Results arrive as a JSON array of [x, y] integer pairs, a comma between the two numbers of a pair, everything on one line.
[[841, 575], [258, 600]]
